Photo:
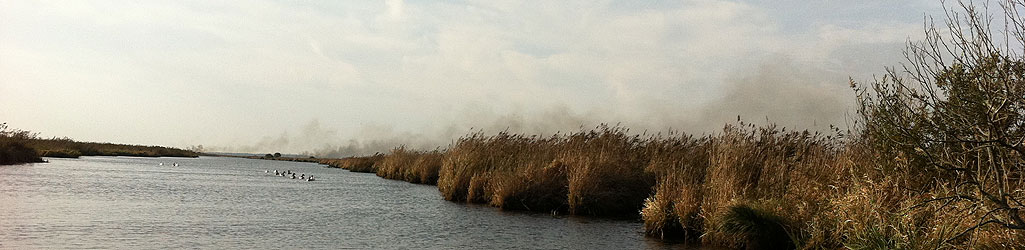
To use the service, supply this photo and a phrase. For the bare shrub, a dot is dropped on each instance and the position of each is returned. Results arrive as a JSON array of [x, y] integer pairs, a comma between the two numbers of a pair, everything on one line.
[[956, 113]]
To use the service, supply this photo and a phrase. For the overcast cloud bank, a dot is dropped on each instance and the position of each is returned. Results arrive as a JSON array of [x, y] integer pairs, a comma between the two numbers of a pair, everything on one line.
[[342, 78]]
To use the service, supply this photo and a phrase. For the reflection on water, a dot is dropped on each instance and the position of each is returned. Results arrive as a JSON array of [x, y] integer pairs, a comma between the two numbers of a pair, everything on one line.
[[214, 202]]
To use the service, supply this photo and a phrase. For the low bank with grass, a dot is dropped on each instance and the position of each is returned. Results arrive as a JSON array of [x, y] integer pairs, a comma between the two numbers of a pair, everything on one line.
[[17, 153], [743, 187], [21, 146], [67, 148]]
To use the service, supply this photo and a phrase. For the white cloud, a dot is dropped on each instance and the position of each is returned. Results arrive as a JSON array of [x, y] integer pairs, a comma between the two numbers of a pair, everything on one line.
[[416, 68], [395, 8]]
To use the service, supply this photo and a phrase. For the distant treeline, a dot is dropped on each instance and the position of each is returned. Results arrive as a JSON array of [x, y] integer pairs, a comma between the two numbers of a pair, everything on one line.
[[67, 148], [21, 146]]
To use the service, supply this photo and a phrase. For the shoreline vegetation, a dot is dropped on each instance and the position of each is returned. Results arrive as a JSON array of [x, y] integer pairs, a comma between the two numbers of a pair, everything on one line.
[[20, 146], [933, 161], [747, 186]]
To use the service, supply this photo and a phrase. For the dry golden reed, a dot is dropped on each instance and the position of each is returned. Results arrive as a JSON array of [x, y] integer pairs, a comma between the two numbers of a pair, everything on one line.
[[411, 166], [597, 172], [364, 164], [744, 187], [20, 146]]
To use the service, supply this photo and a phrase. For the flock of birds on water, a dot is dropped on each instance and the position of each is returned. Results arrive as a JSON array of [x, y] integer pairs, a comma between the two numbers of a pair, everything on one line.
[[290, 174], [284, 173]]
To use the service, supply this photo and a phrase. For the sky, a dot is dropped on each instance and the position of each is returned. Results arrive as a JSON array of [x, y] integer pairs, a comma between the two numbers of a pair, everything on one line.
[[338, 78]]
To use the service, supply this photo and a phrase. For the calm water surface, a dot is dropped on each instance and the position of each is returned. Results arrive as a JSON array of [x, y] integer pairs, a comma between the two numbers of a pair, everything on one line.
[[215, 202]]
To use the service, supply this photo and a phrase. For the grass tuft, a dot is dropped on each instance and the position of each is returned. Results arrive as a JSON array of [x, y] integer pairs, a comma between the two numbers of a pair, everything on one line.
[[758, 228]]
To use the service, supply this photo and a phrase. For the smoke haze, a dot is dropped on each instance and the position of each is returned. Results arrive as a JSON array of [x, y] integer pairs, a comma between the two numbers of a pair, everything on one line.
[[780, 91], [347, 78]]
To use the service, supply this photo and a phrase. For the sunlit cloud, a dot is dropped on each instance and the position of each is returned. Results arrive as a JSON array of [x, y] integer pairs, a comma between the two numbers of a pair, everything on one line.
[[254, 76]]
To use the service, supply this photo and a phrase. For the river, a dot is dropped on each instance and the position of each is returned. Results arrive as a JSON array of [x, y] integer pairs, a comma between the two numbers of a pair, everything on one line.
[[230, 203]]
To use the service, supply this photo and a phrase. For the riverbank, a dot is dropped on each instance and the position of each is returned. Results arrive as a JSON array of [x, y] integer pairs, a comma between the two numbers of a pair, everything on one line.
[[21, 146], [17, 153], [361, 164], [743, 186], [67, 148]]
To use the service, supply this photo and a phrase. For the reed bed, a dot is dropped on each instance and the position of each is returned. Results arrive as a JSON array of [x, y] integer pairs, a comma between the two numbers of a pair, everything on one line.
[[363, 164], [744, 187], [13, 152], [411, 166], [67, 148], [605, 169], [597, 172], [21, 146], [704, 182]]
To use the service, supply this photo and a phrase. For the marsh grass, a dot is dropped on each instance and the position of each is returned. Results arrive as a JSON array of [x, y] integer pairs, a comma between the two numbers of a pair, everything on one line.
[[679, 162], [606, 174], [67, 148], [745, 187], [479, 167], [20, 146], [363, 164], [702, 180], [411, 166], [595, 172], [13, 152], [754, 187], [756, 227]]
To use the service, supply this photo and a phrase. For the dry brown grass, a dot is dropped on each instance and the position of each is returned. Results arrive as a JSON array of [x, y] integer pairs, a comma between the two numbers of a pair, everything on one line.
[[411, 166], [679, 163], [606, 174], [828, 193], [746, 186], [15, 152], [597, 172], [20, 146], [363, 164], [699, 179], [479, 167], [64, 147], [534, 188]]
